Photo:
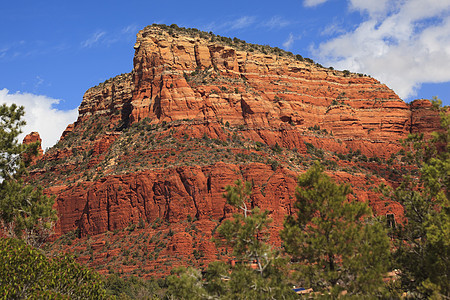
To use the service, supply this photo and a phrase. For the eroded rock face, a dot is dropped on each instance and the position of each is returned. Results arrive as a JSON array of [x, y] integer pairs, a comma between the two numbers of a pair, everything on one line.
[[34, 137], [161, 143], [278, 100], [424, 119], [182, 207], [177, 194], [111, 98], [258, 90], [181, 77], [172, 195]]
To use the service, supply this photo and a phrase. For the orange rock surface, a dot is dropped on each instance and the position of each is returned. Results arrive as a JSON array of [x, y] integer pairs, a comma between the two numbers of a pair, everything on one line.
[[185, 78], [159, 144]]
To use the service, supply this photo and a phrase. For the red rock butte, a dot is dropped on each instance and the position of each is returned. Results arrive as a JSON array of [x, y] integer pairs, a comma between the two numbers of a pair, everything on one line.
[[198, 112]]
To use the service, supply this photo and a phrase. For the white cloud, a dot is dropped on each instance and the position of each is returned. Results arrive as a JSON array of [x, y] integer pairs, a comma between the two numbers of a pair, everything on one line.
[[21, 49], [310, 3], [289, 42], [239, 23], [93, 39], [333, 29], [371, 7], [242, 22], [130, 29], [39, 82], [40, 115], [403, 44], [276, 22], [3, 52]]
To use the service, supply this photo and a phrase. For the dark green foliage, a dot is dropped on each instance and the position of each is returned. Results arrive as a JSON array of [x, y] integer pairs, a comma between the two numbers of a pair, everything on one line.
[[335, 243], [273, 164], [185, 284], [248, 236], [10, 128], [277, 149], [423, 243], [132, 288], [239, 195], [26, 273], [310, 149], [141, 224], [317, 129], [242, 282], [24, 211]]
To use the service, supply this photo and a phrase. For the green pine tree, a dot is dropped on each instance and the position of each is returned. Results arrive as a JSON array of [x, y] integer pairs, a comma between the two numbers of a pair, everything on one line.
[[25, 212], [423, 242], [338, 247], [185, 283]]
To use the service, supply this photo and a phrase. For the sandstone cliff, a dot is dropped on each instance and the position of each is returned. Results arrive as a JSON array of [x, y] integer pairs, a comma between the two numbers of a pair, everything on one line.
[[159, 144]]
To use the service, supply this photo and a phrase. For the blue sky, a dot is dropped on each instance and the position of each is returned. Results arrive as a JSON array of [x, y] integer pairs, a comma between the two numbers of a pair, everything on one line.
[[51, 52]]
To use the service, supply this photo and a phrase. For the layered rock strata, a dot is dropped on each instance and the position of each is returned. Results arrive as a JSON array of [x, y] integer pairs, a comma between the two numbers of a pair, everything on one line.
[[196, 113]]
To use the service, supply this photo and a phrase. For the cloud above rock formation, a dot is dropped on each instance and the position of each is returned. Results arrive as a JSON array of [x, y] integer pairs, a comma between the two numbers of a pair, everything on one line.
[[402, 43], [41, 115]]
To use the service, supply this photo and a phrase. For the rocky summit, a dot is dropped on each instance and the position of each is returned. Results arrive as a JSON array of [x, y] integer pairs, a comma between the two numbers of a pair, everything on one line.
[[139, 178]]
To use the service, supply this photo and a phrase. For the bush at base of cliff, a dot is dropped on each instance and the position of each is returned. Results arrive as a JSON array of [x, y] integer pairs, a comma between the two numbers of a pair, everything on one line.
[[133, 287], [26, 273]]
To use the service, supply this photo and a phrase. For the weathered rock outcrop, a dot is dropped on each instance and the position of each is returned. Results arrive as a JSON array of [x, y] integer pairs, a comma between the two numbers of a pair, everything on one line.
[[34, 137], [424, 119], [258, 90], [109, 98], [159, 144], [170, 195], [179, 77]]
